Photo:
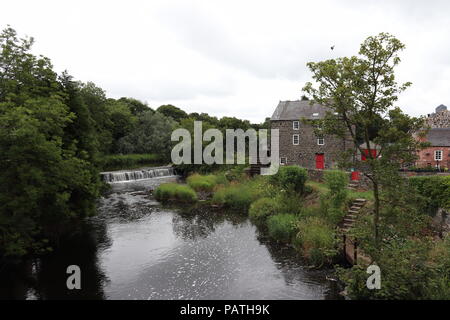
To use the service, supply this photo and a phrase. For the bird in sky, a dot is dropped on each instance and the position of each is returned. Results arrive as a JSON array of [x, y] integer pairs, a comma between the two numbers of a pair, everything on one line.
[[332, 48]]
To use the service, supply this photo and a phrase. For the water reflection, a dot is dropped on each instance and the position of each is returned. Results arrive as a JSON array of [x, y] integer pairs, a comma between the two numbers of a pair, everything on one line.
[[136, 249]]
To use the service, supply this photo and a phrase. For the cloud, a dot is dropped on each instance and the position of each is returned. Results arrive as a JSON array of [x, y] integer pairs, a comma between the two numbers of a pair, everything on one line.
[[233, 58]]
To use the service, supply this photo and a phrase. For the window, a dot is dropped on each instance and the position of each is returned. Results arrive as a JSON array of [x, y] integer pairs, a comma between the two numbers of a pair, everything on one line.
[[295, 139], [320, 141], [283, 161], [316, 114], [438, 155], [295, 125]]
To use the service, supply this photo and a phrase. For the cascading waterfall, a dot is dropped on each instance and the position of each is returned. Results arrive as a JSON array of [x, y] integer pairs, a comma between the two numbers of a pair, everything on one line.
[[144, 173]]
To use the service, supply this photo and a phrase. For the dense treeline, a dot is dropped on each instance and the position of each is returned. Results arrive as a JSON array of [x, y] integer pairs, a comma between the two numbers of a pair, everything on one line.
[[54, 135]]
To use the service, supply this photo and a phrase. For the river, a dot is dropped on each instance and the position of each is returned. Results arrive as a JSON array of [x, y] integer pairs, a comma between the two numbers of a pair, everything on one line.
[[137, 249]]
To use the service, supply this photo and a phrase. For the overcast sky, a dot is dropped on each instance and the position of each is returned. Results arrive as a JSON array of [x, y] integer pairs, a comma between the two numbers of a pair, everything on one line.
[[231, 58]]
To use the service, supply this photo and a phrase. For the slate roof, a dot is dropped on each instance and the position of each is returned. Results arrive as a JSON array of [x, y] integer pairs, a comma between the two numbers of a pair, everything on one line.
[[295, 110], [439, 137]]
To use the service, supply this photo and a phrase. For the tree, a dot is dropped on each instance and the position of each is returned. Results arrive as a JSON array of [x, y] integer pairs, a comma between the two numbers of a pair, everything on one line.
[[171, 111], [359, 92], [45, 179], [136, 107], [122, 121], [151, 135]]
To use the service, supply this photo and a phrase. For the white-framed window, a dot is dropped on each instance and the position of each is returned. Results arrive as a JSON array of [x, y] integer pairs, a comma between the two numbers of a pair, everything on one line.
[[283, 161], [295, 125], [295, 139], [320, 141], [438, 155]]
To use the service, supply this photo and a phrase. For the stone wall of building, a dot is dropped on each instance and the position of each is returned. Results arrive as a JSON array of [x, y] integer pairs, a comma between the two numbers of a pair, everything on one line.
[[439, 119], [304, 154]]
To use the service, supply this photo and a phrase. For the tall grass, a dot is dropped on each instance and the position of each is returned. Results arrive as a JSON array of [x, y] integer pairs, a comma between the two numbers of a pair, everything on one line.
[[282, 227], [238, 196], [176, 192], [263, 208], [205, 182], [316, 239]]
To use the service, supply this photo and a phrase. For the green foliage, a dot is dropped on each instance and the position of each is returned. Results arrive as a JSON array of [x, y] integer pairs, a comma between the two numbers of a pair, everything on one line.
[[176, 192], [316, 239], [127, 161], [135, 106], [238, 196], [291, 178], [435, 190], [173, 112], [151, 135], [333, 202], [282, 227], [46, 174], [263, 208], [205, 183], [410, 269]]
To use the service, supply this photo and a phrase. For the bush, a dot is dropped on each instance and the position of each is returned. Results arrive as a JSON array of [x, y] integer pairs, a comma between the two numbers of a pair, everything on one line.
[[282, 226], [333, 201], [435, 190], [202, 183], [174, 191], [316, 239], [411, 269], [238, 196], [291, 178], [262, 208]]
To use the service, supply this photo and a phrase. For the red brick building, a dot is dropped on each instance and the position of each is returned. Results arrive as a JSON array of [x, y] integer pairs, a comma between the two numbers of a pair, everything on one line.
[[438, 155]]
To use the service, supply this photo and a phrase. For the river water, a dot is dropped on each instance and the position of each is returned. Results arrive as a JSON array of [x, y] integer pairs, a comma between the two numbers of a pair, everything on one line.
[[137, 249]]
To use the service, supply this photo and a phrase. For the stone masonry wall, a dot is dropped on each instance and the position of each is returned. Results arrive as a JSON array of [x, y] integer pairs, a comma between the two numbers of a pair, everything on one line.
[[304, 154]]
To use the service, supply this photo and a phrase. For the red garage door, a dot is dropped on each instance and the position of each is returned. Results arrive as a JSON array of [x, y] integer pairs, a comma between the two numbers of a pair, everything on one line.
[[320, 161]]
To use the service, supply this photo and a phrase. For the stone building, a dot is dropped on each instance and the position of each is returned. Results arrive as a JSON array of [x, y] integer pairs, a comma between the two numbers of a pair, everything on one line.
[[440, 118], [299, 145]]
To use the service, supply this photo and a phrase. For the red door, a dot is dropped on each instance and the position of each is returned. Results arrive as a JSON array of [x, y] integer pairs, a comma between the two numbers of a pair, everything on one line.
[[320, 161], [366, 153]]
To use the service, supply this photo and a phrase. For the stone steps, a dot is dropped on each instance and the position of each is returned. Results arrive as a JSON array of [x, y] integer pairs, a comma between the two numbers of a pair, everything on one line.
[[352, 214]]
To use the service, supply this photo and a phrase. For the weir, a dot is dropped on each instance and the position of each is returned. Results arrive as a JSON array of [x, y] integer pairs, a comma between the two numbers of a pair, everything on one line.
[[138, 174]]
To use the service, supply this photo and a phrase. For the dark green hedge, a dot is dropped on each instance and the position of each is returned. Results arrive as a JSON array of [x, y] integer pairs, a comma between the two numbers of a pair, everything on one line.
[[435, 190]]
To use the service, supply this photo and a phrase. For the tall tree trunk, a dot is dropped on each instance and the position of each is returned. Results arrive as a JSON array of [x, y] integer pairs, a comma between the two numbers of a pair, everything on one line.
[[376, 219]]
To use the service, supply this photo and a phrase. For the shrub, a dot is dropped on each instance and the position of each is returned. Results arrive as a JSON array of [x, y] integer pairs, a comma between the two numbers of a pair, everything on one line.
[[174, 191], [201, 183], [435, 190], [282, 226], [238, 196], [333, 201], [316, 239], [262, 208], [291, 178], [206, 182], [407, 273]]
